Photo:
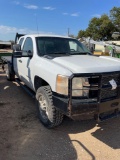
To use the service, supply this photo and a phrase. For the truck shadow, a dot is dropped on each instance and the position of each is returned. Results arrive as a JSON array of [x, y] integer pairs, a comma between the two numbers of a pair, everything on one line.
[[109, 133]]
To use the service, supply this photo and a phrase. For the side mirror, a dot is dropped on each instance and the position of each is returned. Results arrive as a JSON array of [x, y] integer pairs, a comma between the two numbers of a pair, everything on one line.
[[17, 53], [16, 47]]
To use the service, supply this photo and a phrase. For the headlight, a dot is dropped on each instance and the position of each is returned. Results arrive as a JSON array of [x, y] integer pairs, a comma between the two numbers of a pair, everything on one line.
[[79, 87], [62, 85]]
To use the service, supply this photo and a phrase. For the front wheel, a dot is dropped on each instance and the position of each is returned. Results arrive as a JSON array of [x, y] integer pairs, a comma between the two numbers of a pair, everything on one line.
[[48, 114]]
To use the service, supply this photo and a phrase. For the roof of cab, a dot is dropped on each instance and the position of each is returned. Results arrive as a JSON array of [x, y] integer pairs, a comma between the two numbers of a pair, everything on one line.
[[45, 35]]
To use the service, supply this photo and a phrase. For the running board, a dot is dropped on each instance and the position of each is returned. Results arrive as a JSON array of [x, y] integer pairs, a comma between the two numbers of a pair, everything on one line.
[[28, 90]]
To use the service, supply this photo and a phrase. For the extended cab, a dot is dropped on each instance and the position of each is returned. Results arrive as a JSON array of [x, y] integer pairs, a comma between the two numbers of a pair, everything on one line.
[[67, 78]]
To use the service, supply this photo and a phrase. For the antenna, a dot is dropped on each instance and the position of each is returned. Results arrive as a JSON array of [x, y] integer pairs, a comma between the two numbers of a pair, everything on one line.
[[68, 32], [37, 24]]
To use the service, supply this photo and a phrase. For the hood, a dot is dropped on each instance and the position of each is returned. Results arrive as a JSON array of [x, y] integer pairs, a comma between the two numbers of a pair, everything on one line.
[[88, 64]]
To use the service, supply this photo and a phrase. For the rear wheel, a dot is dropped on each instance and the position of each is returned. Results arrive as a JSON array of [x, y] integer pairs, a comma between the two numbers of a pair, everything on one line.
[[48, 114], [10, 76]]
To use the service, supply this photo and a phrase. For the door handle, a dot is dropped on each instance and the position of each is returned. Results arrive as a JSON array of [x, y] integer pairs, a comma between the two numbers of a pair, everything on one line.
[[20, 61]]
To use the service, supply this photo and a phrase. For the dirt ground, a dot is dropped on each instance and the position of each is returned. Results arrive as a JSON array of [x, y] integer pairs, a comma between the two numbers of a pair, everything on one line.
[[23, 137]]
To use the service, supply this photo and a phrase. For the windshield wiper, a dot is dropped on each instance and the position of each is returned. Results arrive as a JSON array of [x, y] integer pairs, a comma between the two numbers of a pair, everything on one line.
[[53, 54], [88, 53], [81, 53], [58, 53], [61, 53]]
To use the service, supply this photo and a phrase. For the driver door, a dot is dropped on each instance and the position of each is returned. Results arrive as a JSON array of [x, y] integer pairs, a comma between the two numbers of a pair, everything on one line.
[[26, 67]]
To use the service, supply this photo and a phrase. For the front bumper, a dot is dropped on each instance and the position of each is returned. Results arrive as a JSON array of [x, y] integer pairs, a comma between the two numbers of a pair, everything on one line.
[[102, 102], [87, 109]]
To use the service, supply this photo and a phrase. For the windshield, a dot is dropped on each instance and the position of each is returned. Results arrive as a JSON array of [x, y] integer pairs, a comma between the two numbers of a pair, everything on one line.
[[60, 46]]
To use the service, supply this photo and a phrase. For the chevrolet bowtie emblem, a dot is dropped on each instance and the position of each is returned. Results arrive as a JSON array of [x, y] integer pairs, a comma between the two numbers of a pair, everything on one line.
[[113, 84]]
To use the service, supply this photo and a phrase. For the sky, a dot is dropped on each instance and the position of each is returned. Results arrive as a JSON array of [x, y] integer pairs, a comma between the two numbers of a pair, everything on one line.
[[49, 16]]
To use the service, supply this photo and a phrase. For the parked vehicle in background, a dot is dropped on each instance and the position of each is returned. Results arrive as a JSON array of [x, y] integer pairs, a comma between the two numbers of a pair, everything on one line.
[[115, 35], [102, 48], [66, 78]]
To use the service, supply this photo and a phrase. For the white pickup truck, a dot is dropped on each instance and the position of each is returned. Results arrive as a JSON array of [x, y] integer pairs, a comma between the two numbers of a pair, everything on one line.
[[66, 78]]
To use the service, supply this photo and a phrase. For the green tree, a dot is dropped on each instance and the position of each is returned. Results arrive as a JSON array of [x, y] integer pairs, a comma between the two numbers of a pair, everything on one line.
[[93, 28], [103, 27], [115, 17], [81, 34]]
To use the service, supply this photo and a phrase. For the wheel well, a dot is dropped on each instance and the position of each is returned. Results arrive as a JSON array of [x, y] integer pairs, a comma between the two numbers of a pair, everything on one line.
[[38, 82]]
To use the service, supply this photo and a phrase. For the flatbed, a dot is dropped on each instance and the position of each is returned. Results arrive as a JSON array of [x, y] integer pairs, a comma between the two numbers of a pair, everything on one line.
[[5, 53]]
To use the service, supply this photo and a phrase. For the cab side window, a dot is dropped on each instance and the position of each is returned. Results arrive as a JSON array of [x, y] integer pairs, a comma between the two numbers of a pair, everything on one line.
[[21, 41], [28, 46]]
